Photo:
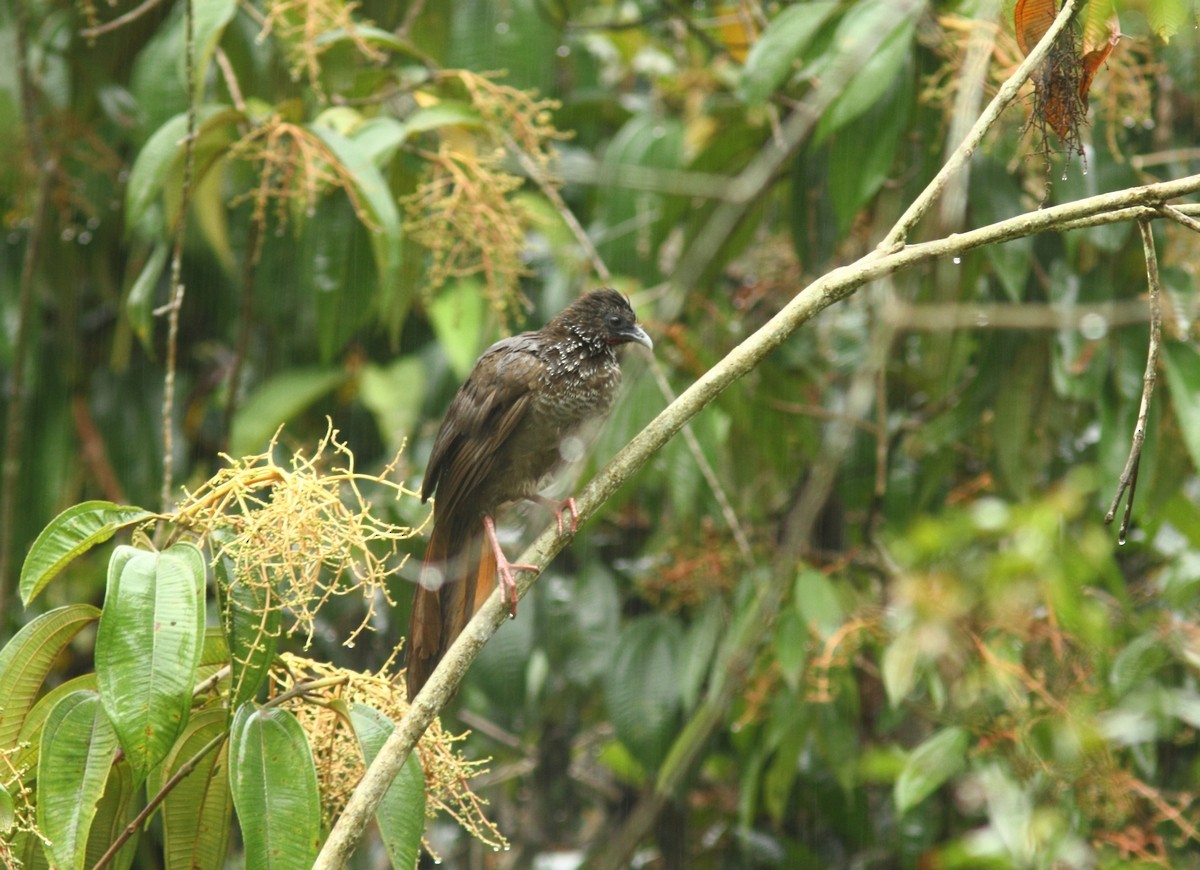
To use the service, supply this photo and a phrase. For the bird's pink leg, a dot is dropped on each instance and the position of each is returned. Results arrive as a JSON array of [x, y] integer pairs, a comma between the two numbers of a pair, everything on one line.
[[558, 506], [505, 568]]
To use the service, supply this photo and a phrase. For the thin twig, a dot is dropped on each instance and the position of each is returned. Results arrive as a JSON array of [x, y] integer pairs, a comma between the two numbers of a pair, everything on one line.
[[120, 21], [1180, 218], [816, 297], [177, 288], [1129, 475]]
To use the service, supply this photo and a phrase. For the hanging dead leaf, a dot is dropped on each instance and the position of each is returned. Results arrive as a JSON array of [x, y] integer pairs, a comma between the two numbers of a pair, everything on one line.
[[1032, 19], [1093, 59]]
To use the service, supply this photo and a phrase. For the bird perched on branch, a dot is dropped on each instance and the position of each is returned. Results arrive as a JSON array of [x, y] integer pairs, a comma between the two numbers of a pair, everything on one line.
[[520, 415]]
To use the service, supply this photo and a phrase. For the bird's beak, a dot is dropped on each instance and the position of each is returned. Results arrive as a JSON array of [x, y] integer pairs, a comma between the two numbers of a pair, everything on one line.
[[636, 333]]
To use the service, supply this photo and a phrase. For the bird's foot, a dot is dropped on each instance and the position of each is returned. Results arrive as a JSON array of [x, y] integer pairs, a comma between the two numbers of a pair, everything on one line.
[[558, 505], [505, 569]]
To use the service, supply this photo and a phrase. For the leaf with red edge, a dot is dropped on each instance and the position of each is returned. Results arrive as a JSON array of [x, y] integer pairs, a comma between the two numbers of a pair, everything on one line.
[[1032, 18]]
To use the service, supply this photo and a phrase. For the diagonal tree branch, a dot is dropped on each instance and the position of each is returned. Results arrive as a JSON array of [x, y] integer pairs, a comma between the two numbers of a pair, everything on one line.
[[831, 288]]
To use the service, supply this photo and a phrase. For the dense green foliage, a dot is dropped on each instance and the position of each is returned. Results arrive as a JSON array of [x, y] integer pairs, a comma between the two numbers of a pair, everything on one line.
[[869, 615]]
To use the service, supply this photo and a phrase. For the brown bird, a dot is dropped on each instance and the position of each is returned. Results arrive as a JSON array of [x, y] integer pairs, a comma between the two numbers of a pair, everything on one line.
[[520, 415]]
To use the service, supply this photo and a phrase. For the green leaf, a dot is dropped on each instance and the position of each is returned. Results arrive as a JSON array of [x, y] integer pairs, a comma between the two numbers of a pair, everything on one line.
[[401, 813], [376, 196], [195, 814], [1166, 17], [642, 687], [877, 73], [78, 746], [165, 147], [209, 20], [932, 763], [1181, 364], [8, 811], [73, 532], [394, 394], [139, 303], [770, 61], [115, 810], [448, 113], [457, 316], [31, 730], [276, 401], [901, 661], [251, 625], [148, 647], [274, 784], [27, 659], [817, 602]]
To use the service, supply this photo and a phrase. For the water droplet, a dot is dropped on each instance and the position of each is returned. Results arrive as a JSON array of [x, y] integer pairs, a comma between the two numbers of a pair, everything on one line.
[[68, 234], [563, 50], [957, 260], [1120, 539], [84, 238], [93, 223], [1085, 170], [502, 27], [495, 848], [507, 847], [1064, 175]]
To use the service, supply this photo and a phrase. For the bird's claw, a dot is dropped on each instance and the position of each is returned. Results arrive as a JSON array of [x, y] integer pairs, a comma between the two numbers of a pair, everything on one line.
[[508, 585]]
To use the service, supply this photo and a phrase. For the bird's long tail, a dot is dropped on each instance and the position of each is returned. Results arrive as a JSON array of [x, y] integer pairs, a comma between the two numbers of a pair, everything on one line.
[[457, 576]]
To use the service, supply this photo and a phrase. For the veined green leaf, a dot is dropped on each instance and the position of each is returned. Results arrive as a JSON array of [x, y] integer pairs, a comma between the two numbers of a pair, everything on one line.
[[115, 810], [274, 784], [196, 813], [78, 746], [401, 814], [76, 530], [148, 647], [27, 658]]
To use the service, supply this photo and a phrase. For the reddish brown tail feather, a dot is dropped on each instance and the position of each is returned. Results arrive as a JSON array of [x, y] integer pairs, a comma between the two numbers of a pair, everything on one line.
[[468, 566]]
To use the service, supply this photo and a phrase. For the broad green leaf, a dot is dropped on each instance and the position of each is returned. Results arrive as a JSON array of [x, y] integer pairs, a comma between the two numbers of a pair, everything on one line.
[[148, 647], [78, 747], [401, 814], [642, 687], [154, 161], [275, 402], [196, 813], [394, 393], [1181, 364], [367, 33], [1166, 17], [937, 759], [27, 659], [31, 729], [274, 784], [116, 809], [209, 20], [76, 530], [375, 195], [251, 625], [877, 73], [770, 61], [458, 315], [700, 644]]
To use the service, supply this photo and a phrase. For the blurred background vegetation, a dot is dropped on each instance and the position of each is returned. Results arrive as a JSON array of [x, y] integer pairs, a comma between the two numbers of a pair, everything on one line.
[[963, 669]]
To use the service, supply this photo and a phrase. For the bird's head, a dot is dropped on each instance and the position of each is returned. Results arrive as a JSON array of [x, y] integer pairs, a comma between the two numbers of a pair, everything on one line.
[[604, 317]]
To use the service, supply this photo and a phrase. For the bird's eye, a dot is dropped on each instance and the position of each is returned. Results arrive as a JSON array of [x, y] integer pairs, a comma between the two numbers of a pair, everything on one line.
[[614, 320]]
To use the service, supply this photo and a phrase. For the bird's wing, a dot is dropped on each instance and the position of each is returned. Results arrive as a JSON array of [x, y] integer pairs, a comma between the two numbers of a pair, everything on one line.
[[483, 416]]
